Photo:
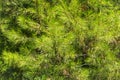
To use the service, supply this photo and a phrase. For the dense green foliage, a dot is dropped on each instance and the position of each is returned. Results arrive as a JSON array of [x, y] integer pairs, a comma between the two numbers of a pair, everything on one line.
[[59, 40]]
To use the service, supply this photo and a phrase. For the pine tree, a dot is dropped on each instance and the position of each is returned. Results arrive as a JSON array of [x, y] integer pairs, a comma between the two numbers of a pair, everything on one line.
[[59, 39]]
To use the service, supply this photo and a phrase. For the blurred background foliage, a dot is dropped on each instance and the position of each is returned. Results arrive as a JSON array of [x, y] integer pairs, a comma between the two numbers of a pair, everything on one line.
[[59, 40]]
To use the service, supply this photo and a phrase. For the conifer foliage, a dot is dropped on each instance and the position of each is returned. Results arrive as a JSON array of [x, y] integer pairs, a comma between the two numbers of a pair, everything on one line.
[[59, 40]]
